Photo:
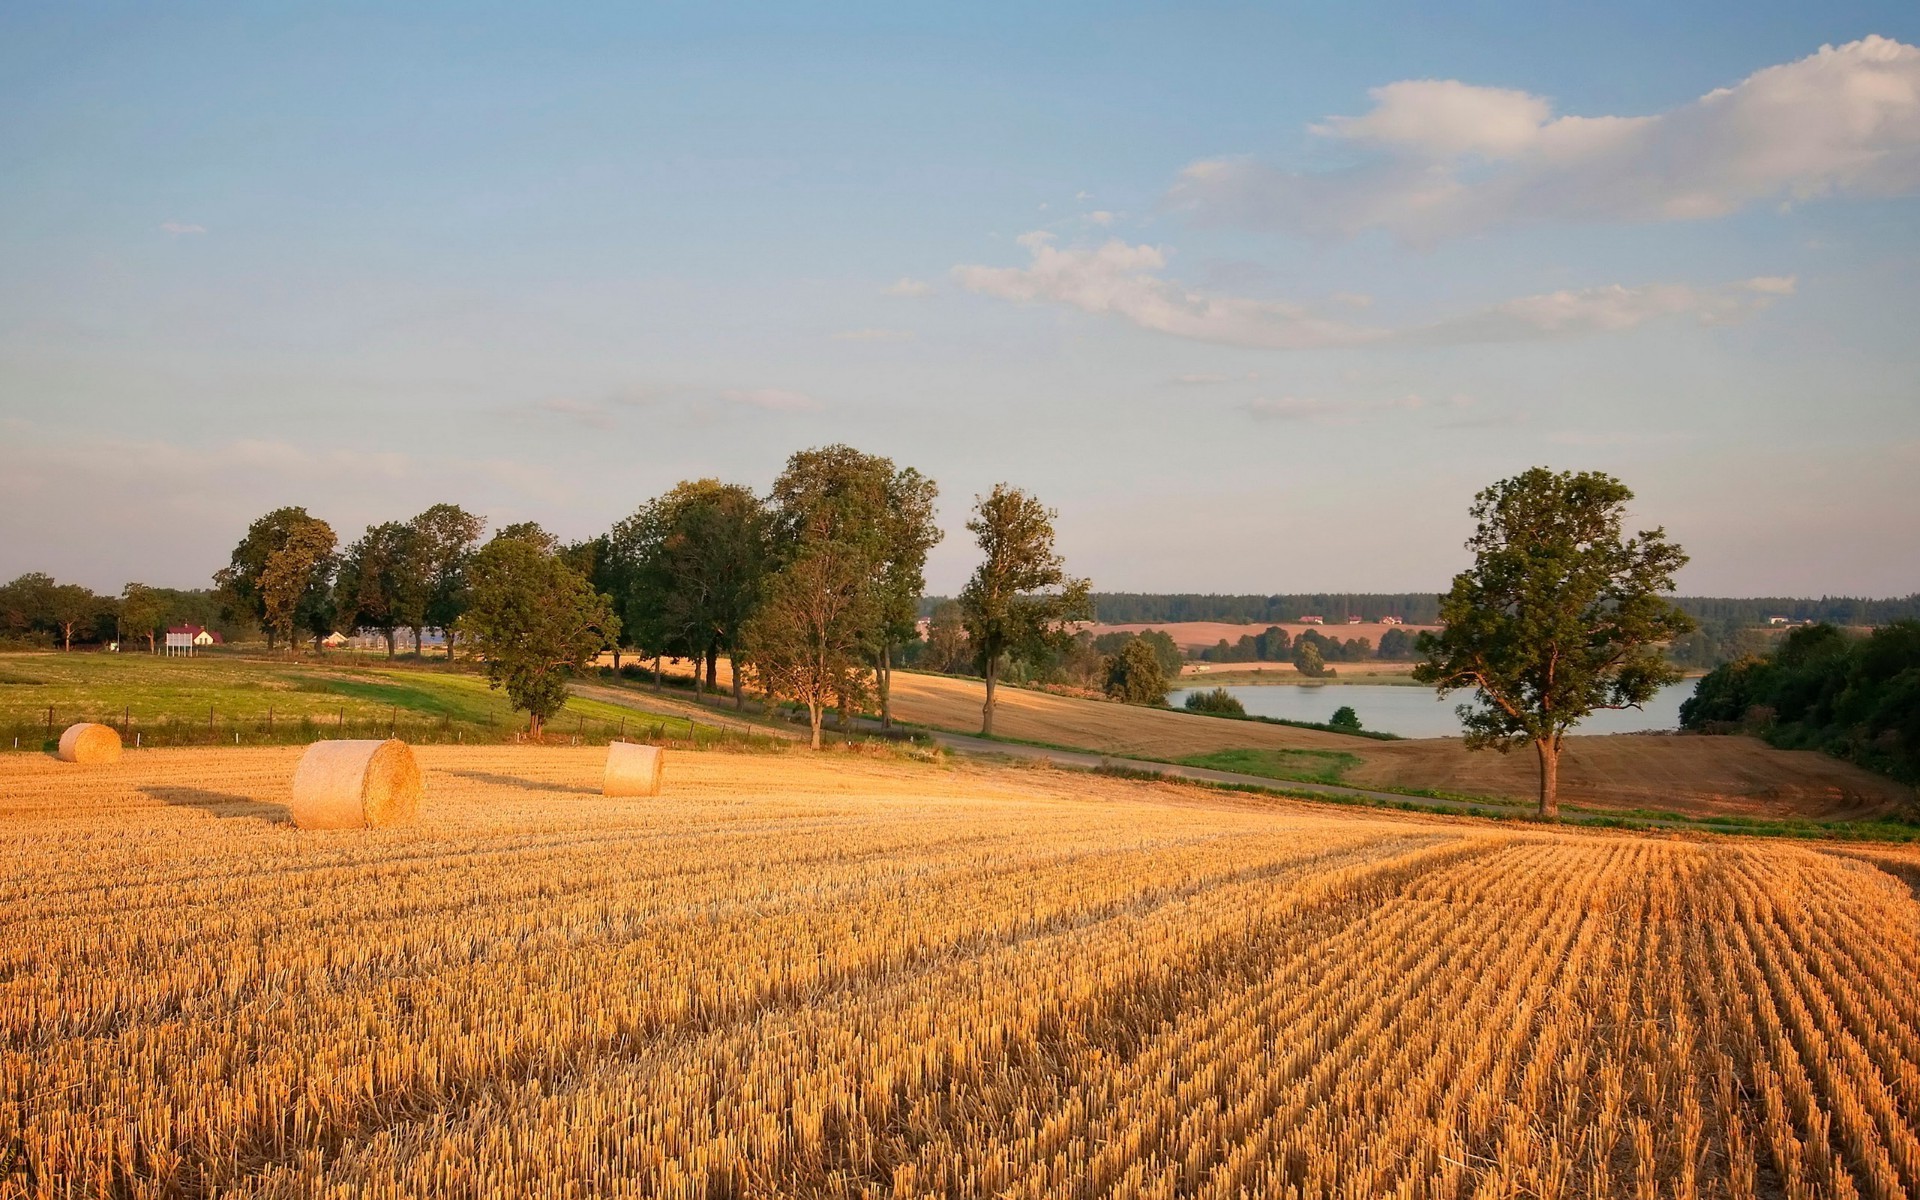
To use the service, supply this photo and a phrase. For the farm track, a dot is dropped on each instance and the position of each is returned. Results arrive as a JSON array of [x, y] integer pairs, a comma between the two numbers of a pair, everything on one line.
[[837, 976]]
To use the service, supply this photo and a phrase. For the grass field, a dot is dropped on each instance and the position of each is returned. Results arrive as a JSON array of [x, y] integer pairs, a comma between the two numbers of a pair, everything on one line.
[[1686, 775], [174, 701], [838, 976]]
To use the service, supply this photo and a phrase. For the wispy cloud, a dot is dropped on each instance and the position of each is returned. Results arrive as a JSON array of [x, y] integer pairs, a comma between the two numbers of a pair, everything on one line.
[[908, 287], [1327, 412], [874, 335], [1121, 280], [177, 228], [771, 399], [1440, 158]]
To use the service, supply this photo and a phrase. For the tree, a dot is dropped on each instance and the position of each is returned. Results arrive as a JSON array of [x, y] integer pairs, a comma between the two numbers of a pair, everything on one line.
[[947, 650], [1559, 616], [807, 640], [142, 612], [910, 533], [1020, 598], [1307, 658], [26, 604], [819, 624], [1345, 718], [441, 547], [377, 587], [1396, 645], [1134, 675], [300, 598], [535, 621], [1218, 702], [68, 605], [709, 553]]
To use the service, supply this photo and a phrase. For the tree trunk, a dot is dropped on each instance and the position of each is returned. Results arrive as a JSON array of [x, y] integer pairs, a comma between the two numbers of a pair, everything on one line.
[[419, 641], [533, 725], [393, 635], [733, 669], [713, 666], [616, 658], [66, 638], [885, 677], [694, 662], [986, 710], [657, 684], [1549, 777], [816, 714]]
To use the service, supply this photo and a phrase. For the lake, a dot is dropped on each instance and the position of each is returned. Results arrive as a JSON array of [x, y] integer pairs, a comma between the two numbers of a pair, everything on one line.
[[1415, 712]]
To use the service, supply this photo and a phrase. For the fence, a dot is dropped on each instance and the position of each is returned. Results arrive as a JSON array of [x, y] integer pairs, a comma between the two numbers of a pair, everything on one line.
[[279, 729]]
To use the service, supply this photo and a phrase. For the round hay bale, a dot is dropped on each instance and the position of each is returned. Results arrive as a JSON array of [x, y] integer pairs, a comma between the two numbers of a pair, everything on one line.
[[355, 785], [633, 770], [90, 743]]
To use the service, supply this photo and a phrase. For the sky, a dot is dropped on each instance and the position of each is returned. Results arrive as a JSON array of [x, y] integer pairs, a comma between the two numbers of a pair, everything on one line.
[[1256, 297]]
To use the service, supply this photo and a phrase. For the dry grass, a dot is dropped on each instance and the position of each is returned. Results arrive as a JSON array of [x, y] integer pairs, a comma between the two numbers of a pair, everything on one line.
[[835, 977], [1695, 775]]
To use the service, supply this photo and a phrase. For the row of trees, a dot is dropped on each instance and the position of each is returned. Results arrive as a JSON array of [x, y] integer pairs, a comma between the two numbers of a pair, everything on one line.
[[1277, 645], [38, 609], [289, 576], [811, 592], [1857, 697]]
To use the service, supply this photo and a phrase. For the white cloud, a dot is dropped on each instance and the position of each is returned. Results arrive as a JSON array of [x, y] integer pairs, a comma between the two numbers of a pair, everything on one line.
[[181, 227], [874, 335], [1441, 158], [909, 287], [1121, 280], [1609, 309], [1327, 412], [772, 399], [1101, 217]]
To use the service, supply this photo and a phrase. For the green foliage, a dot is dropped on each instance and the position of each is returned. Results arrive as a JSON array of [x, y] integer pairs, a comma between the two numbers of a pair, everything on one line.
[[444, 537], [1308, 661], [1164, 648], [378, 585], [1218, 702], [1020, 600], [535, 621], [1134, 675], [1559, 615], [1854, 697], [1304, 766], [1345, 719], [946, 649], [142, 612], [281, 574], [1396, 645]]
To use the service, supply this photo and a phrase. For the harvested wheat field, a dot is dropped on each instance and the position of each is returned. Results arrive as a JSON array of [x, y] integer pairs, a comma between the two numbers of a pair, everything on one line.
[[1693, 775], [839, 976]]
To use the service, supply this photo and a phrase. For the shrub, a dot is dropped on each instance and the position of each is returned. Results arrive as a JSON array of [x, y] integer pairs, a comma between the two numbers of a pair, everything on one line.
[[1218, 702], [1345, 718]]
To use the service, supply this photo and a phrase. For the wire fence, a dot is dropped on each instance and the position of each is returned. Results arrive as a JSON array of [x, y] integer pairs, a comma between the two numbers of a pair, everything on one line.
[[270, 728]]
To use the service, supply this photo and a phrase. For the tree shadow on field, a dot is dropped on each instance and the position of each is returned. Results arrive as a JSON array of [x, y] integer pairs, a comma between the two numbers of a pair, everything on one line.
[[223, 805], [524, 785]]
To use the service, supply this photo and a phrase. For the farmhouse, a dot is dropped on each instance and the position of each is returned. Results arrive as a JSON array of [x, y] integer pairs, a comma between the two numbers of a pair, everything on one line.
[[185, 639], [1390, 621], [1313, 620]]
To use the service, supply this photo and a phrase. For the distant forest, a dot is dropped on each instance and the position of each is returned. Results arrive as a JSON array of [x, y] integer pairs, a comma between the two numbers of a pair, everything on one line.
[[1423, 608]]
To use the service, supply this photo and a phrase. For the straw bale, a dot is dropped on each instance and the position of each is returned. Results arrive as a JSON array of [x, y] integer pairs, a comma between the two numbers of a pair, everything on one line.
[[633, 770], [355, 785], [90, 743]]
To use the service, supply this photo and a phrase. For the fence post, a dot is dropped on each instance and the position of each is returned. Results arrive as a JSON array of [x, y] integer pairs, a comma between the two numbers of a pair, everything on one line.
[[49, 722], [393, 720], [269, 720]]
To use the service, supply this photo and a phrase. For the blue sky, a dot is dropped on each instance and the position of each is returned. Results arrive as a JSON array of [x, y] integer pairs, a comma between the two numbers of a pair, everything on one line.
[[1256, 298]]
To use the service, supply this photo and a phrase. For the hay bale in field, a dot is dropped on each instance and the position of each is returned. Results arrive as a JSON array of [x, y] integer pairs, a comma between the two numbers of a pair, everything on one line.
[[90, 743], [355, 785], [633, 770]]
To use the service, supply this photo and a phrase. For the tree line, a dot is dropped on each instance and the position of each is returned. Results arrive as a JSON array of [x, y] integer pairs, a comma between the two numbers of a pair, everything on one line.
[[38, 610], [1275, 644], [1824, 689], [811, 591]]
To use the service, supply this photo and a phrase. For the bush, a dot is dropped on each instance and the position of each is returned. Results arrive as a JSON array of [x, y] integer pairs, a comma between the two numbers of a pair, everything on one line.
[[1345, 718], [1218, 702]]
